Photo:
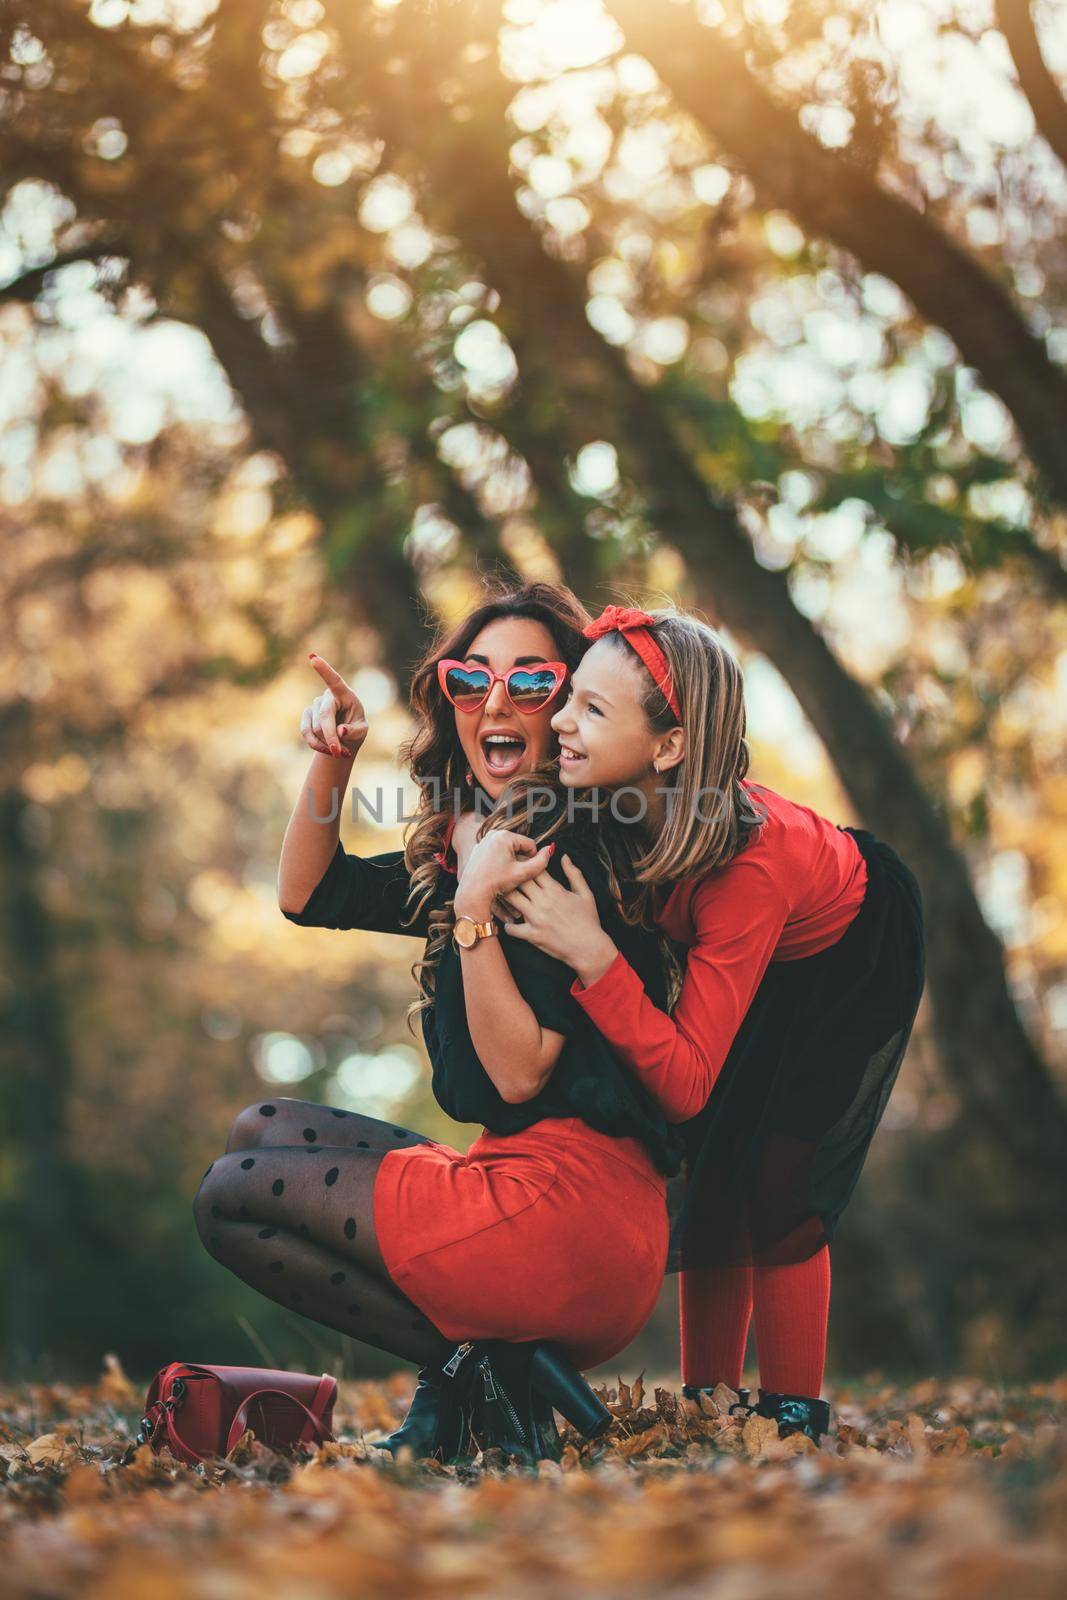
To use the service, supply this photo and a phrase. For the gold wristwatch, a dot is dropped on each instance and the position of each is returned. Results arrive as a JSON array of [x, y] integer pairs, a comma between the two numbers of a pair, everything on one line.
[[467, 932]]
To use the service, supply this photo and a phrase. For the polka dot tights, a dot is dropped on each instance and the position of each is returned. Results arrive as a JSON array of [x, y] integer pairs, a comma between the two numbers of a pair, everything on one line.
[[289, 1208]]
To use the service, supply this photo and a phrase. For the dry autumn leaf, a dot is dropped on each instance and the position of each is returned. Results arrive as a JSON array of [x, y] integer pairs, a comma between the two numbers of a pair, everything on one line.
[[51, 1449], [759, 1434]]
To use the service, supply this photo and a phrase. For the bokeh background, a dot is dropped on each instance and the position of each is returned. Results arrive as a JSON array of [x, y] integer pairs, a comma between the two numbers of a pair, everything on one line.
[[315, 312]]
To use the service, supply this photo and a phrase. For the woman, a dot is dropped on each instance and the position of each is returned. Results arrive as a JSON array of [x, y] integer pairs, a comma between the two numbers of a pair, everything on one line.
[[805, 967], [553, 1226]]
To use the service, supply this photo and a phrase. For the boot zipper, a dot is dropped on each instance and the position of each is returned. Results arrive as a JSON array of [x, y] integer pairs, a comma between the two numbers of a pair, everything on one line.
[[457, 1358], [493, 1393]]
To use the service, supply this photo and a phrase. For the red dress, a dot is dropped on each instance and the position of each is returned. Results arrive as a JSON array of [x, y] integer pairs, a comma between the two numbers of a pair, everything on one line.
[[558, 1232]]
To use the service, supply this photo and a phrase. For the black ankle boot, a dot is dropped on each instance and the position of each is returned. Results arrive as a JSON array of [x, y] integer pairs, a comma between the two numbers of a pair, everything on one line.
[[549, 1443], [437, 1423], [493, 1375], [743, 1403], [795, 1413], [440, 1416], [557, 1381]]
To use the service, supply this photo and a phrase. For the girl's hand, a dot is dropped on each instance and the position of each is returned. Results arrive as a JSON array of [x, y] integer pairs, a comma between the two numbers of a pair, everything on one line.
[[564, 923], [496, 865], [334, 724]]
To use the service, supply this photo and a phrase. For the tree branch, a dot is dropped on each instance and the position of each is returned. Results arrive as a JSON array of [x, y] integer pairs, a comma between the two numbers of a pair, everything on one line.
[[29, 284], [709, 77], [1016, 23]]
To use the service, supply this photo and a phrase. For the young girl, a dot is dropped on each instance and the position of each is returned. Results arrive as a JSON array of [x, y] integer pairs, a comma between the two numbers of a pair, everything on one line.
[[804, 974], [553, 1226]]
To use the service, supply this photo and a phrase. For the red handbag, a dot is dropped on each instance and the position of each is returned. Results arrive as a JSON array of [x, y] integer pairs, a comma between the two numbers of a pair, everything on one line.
[[203, 1410]]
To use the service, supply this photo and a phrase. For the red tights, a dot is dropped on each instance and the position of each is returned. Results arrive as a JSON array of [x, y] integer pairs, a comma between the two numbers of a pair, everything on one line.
[[792, 1306]]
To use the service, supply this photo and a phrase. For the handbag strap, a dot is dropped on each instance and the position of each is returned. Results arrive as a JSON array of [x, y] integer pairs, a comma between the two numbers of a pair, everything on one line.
[[237, 1426]]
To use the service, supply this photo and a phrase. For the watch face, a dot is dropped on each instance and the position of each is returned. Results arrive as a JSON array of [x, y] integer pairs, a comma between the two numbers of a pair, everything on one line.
[[464, 933]]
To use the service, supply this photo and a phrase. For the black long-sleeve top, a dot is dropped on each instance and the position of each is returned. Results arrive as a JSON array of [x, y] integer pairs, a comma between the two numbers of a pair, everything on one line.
[[588, 1079]]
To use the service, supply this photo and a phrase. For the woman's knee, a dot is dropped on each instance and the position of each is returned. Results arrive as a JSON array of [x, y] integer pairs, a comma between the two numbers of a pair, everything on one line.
[[252, 1125], [215, 1199]]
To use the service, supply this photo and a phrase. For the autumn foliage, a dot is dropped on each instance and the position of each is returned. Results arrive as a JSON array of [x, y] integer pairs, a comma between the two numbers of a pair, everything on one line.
[[954, 1490]]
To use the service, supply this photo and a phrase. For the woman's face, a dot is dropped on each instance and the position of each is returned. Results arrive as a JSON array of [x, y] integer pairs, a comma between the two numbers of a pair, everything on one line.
[[498, 741], [605, 741]]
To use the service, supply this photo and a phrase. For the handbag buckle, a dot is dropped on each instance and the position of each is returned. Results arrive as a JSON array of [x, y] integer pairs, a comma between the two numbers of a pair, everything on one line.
[[146, 1432]]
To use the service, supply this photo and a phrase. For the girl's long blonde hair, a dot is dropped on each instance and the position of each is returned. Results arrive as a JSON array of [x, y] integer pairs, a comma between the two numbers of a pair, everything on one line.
[[710, 817]]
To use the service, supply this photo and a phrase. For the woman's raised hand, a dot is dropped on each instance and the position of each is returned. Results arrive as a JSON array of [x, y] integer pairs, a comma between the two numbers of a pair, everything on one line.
[[335, 723]]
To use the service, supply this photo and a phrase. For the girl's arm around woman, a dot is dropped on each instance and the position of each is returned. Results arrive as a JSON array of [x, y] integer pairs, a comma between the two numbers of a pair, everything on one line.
[[738, 920]]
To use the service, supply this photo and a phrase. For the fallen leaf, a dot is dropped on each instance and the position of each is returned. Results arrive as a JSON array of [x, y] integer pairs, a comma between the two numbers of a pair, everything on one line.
[[639, 1444], [83, 1484], [114, 1386], [758, 1434], [50, 1449]]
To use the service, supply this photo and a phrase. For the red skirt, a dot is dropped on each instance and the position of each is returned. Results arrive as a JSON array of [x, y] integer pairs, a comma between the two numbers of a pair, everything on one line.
[[558, 1232]]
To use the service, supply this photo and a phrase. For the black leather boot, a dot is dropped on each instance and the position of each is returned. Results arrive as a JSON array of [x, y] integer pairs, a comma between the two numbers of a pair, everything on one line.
[[743, 1403], [554, 1382], [437, 1423], [795, 1413], [491, 1378], [556, 1379], [511, 1389], [549, 1443]]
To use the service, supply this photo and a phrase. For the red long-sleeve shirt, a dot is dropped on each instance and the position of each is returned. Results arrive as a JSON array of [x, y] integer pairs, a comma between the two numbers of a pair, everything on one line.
[[791, 892]]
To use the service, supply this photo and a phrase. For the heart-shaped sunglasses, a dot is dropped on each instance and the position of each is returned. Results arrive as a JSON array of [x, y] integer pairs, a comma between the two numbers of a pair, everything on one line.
[[528, 688]]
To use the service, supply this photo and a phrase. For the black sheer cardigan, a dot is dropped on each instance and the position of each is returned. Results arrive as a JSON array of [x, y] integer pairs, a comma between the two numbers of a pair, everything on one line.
[[588, 1079]]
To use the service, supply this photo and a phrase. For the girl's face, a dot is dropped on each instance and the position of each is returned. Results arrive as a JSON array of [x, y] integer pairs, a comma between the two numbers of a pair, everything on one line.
[[605, 741], [498, 741]]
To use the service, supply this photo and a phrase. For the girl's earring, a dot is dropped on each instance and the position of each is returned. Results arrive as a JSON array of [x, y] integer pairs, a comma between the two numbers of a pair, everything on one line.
[[470, 777]]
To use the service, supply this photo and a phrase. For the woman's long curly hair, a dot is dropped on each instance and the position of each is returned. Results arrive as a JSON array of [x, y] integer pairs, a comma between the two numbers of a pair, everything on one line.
[[438, 765]]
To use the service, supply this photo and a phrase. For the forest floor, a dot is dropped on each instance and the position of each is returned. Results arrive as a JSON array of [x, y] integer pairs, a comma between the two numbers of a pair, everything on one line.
[[941, 1491]]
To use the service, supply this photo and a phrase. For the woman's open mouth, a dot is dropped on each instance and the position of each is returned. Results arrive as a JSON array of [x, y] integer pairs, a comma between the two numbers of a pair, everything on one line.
[[503, 753]]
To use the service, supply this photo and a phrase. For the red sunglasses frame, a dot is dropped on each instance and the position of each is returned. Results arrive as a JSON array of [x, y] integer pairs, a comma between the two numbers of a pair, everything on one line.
[[559, 669]]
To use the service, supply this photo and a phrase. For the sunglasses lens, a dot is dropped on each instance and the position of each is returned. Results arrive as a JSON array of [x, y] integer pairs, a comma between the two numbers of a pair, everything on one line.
[[466, 687], [531, 688]]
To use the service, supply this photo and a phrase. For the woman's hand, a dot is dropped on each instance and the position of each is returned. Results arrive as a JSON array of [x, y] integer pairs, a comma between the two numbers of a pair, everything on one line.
[[334, 724], [496, 865], [564, 923], [464, 838]]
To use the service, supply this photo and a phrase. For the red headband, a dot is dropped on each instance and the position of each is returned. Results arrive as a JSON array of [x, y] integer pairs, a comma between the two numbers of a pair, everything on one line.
[[634, 626]]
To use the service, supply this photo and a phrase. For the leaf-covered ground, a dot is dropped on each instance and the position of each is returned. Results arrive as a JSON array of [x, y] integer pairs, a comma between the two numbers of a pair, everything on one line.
[[955, 1490]]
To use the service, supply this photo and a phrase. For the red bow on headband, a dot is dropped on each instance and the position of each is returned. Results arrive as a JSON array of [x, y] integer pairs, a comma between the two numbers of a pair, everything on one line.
[[634, 625]]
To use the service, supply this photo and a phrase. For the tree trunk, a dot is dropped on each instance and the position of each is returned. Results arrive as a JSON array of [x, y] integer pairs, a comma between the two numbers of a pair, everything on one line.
[[36, 1082]]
